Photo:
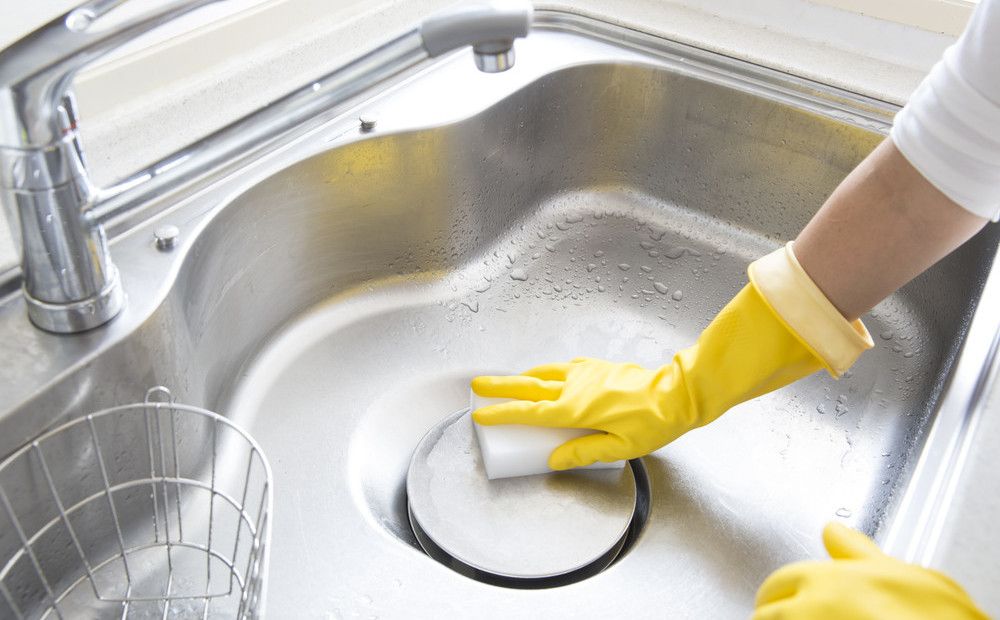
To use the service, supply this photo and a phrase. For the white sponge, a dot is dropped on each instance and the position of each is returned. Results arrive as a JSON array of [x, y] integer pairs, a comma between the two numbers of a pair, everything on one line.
[[511, 450]]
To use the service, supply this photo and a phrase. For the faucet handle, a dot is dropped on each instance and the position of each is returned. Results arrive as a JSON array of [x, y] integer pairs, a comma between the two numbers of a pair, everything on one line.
[[36, 71]]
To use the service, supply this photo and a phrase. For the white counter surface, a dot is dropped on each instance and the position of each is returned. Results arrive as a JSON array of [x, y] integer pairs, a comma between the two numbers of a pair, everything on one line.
[[177, 86]]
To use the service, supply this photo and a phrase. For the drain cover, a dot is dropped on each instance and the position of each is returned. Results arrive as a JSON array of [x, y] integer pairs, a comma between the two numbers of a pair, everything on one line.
[[550, 529]]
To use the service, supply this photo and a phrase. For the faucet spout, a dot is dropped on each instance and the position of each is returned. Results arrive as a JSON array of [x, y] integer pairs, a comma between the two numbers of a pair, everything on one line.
[[494, 56], [70, 283]]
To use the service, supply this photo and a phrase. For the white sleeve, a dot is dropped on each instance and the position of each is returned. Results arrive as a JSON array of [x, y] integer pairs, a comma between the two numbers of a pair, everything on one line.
[[950, 129]]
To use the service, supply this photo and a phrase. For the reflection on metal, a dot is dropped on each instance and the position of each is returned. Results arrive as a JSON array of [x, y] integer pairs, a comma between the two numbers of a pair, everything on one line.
[[367, 122], [335, 295], [165, 237], [494, 58], [70, 283], [532, 531], [147, 509]]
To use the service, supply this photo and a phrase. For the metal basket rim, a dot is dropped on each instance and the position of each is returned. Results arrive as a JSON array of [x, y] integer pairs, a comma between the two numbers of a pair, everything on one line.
[[260, 535], [142, 407]]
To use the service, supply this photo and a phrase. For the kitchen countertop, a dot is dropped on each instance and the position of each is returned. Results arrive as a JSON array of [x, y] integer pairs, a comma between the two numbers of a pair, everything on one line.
[[138, 107], [123, 131]]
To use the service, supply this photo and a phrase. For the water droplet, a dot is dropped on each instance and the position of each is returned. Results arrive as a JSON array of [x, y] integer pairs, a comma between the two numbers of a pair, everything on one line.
[[518, 274], [600, 288], [536, 256], [624, 266], [886, 335], [482, 288], [678, 252], [591, 267], [843, 513], [79, 20], [646, 245], [678, 295], [661, 288], [821, 408], [645, 268]]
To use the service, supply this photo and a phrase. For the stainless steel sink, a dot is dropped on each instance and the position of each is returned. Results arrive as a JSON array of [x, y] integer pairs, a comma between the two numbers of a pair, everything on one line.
[[602, 198]]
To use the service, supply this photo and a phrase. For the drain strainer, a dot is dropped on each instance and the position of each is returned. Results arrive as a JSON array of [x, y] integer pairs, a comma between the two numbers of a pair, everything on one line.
[[533, 531]]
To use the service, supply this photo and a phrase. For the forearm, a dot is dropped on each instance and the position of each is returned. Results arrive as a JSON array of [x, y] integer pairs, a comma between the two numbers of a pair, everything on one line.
[[922, 192], [882, 226]]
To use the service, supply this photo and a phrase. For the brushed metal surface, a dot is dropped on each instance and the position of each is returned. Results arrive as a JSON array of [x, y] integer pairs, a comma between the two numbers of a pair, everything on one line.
[[70, 283], [528, 527], [334, 296]]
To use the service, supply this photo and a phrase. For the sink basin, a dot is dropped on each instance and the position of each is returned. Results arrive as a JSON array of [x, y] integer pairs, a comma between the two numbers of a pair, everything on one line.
[[603, 199]]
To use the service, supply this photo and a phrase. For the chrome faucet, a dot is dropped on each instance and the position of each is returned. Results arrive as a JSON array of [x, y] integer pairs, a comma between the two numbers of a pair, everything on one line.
[[70, 283]]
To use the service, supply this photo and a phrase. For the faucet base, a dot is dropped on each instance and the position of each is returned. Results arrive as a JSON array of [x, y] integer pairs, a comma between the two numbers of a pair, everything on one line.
[[81, 315]]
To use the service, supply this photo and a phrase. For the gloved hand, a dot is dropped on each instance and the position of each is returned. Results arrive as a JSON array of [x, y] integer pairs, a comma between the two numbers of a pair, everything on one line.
[[861, 583], [779, 328]]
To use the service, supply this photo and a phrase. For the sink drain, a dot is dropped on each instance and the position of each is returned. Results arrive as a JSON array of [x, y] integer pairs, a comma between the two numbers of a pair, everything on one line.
[[528, 532]]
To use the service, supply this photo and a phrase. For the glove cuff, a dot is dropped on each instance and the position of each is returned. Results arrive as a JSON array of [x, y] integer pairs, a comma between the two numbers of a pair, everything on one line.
[[803, 308]]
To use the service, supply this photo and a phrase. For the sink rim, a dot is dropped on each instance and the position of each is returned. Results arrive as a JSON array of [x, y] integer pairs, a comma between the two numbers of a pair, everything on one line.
[[910, 532]]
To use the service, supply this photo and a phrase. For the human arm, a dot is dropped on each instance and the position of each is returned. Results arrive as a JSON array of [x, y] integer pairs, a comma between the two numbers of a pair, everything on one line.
[[884, 213], [797, 315], [923, 192], [918, 196]]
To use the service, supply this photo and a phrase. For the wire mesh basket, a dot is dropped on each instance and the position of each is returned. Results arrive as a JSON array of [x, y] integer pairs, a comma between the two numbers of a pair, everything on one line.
[[154, 509]]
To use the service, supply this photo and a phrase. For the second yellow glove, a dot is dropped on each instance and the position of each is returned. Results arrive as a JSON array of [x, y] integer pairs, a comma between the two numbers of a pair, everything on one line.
[[861, 583]]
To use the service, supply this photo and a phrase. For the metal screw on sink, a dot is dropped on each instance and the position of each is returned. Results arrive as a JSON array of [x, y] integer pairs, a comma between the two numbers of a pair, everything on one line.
[[166, 237], [367, 122], [68, 291]]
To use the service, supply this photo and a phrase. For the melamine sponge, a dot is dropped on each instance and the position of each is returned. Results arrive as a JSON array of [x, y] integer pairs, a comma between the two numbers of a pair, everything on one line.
[[511, 450]]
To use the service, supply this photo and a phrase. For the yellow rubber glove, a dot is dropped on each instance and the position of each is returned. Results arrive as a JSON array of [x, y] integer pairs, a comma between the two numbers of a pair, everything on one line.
[[861, 583], [779, 328]]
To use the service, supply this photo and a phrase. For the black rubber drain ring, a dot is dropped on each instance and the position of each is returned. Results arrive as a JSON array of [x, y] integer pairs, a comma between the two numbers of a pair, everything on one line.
[[457, 448]]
